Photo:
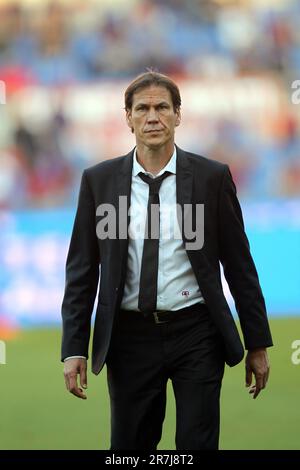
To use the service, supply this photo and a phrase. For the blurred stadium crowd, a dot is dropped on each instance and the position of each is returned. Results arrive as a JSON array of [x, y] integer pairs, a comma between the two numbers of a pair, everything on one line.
[[65, 65]]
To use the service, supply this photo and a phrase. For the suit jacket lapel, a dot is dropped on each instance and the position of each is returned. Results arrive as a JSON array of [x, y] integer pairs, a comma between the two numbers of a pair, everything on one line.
[[184, 186], [123, 177], [123, 185]]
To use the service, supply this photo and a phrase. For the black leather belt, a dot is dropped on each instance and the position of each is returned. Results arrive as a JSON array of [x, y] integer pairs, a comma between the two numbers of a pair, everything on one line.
[[164, 316]]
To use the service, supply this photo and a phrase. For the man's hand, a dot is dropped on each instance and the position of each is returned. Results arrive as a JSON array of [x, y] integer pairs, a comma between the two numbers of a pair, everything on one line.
[[72, 368], [257, 363]]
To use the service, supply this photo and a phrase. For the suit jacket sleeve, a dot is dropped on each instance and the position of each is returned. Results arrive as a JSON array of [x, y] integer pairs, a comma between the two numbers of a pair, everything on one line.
[[82, 275], [239, 268]]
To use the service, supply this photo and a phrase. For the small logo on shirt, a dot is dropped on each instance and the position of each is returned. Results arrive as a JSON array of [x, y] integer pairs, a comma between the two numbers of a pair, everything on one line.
[[185, 293]]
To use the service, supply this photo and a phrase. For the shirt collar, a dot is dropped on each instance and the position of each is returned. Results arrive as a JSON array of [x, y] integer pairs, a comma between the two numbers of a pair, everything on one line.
[[170, 166]]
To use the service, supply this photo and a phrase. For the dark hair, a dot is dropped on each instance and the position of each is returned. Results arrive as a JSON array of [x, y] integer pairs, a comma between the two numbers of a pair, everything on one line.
[[147, 79]]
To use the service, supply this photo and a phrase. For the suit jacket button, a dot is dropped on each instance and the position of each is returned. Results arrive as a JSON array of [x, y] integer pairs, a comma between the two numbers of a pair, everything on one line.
[[117, 289]]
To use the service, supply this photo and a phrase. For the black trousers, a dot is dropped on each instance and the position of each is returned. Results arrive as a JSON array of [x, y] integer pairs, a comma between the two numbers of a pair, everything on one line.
[[142, 357]]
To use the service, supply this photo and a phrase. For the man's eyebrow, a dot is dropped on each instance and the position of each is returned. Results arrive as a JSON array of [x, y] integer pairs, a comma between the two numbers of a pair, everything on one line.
[[146, 104]]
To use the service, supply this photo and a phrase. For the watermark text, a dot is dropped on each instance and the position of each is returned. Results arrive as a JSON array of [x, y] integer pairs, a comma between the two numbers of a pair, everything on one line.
[[296, 93], [295, 358], [2, 352], [167, 222], [2, 92]]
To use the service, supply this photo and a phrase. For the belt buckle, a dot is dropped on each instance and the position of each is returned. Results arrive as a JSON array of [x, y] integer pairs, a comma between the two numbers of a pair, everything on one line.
[[157, 320]]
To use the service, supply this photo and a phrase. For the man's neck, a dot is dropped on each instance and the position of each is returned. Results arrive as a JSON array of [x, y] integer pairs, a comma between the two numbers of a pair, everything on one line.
[[153, 160]]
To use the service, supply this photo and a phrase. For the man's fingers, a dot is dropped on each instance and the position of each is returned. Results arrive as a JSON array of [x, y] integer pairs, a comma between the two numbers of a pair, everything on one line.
[[254, 391], [72, 378], [259, 385], [74, 367], [71, 384], [248, 377], [78, 392], [74, 389], [261, 382], [83, 376], [257, 363], [266, 376]]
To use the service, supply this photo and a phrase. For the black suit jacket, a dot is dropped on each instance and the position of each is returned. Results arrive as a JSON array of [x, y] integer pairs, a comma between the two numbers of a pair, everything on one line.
[[198, 180]]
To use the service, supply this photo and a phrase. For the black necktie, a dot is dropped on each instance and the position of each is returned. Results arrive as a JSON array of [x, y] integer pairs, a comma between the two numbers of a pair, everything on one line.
[[149, 268]]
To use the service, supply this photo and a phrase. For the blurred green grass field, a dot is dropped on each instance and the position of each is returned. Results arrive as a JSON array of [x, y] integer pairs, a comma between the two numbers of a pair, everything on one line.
[[36, 412]]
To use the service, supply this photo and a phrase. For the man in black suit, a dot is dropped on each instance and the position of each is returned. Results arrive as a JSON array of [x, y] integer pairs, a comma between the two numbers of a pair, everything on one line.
[[161, 311]]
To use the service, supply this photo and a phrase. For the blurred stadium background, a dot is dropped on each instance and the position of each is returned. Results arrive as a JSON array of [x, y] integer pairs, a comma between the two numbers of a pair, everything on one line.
[[64, 66]]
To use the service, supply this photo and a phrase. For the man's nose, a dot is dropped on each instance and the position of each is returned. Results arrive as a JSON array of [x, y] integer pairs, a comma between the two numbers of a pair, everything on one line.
[[152, 115]]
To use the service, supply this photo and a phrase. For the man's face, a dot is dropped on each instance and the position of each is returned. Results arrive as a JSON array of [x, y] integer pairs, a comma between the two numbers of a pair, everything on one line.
[[152, 117]]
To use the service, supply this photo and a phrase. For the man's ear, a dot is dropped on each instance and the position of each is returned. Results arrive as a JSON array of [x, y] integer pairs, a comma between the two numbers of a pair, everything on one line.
[[128, 120], [178, 117]]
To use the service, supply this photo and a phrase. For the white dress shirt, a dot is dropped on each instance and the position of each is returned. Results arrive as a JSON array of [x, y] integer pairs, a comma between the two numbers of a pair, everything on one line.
[[177, 286]]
